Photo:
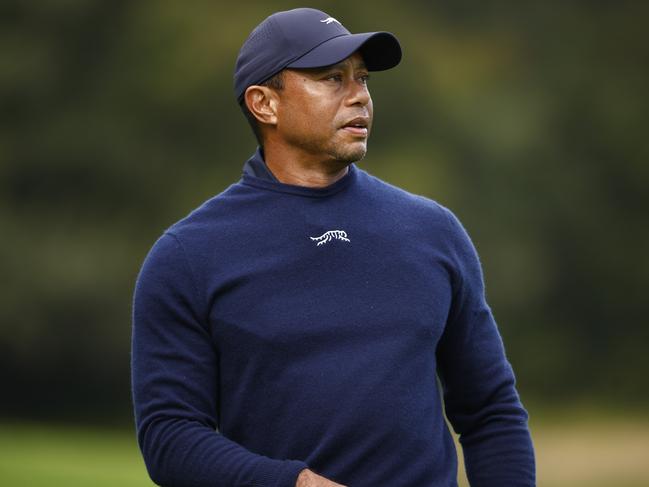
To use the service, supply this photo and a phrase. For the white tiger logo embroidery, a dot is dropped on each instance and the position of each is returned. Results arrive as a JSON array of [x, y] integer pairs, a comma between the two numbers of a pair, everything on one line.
[[330, 235]]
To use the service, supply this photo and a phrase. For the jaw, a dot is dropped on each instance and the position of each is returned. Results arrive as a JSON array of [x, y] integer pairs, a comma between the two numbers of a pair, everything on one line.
[[339, 145], [347, 149]]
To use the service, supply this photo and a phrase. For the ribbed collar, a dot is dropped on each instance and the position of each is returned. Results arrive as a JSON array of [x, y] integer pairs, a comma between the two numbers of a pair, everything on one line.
[[256, 173]]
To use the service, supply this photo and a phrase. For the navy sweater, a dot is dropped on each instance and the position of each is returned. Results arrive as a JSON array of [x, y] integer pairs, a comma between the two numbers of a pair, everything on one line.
[[279, 327]]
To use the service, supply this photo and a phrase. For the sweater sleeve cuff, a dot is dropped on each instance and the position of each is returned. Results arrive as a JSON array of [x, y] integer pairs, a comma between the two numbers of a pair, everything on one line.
[[273, 473]]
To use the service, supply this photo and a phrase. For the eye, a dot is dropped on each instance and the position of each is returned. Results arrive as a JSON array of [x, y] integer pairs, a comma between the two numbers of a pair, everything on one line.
[[334, 77], [365, 78]]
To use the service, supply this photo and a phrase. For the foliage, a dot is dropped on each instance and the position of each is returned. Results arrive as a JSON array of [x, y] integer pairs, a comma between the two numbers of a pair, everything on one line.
[[529, 121]]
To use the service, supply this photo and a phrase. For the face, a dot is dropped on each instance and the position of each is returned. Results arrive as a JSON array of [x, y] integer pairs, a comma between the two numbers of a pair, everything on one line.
[[326, 112]]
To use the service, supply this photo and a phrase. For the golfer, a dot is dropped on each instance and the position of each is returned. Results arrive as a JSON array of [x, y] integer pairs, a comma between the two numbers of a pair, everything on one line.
[[291, 331]]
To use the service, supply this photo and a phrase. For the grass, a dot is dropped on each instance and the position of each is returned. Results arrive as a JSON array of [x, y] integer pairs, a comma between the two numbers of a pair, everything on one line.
[[576, 451], [42, 455], [582, 449]]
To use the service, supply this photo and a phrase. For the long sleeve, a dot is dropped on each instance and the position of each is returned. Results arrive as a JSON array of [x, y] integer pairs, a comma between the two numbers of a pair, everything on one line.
[[175, 385], [478, 383]]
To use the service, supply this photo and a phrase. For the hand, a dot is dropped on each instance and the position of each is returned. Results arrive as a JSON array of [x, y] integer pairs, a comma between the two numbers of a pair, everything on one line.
[[307, 478]]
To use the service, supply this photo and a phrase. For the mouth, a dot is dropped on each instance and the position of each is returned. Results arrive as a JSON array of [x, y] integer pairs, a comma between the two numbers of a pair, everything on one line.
[[357, 126]]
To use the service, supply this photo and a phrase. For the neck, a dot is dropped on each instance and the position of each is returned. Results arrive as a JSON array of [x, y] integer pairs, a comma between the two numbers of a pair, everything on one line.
[[296, 167]]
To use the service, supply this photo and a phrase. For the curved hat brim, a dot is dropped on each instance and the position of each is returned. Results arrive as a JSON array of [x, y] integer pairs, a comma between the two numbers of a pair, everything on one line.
[[380, 51]]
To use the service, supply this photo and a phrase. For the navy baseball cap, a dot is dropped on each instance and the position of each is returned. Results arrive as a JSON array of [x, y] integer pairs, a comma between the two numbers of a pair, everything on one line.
[[307, 38]]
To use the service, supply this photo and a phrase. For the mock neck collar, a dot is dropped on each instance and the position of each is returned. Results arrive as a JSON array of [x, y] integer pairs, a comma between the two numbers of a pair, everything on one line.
[[256, 166], [256, 173]]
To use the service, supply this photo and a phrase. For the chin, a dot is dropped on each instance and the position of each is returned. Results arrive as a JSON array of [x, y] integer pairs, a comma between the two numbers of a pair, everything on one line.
[[351, 153]]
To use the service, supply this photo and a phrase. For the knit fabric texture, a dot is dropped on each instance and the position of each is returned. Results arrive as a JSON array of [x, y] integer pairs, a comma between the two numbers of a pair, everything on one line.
[[280, 327]]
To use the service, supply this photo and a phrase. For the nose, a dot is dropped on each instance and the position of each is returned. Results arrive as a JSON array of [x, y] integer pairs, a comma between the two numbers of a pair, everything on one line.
[[358, 93]]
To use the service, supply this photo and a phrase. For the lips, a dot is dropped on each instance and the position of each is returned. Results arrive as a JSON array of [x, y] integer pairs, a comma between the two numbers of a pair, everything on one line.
[[357, 126]]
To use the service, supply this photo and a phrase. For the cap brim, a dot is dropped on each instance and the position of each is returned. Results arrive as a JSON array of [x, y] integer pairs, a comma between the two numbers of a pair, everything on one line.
[[380, 51]]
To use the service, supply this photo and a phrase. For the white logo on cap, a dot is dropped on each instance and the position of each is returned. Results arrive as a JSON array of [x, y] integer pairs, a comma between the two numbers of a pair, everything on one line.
[[329, 20]]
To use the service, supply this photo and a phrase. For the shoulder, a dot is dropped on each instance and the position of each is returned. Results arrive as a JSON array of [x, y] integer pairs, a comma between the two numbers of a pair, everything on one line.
[[214, 217], [178, 244], [406, 204], [422, 217]]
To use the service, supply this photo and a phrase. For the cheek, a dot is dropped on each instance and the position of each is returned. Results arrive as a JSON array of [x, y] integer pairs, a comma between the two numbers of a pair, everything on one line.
[[307, 116], [290, 117]]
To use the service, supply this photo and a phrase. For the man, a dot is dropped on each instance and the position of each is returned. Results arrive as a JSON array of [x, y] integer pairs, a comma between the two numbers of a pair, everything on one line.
[[291, 330]]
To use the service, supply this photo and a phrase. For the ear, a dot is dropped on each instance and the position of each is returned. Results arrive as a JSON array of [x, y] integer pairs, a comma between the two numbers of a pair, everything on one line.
[[262, 102]]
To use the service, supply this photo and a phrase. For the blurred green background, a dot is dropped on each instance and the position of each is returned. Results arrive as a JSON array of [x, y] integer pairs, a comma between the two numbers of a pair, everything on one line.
[[528, 119]]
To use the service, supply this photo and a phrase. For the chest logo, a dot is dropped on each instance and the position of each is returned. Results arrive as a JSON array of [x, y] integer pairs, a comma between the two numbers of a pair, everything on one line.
[[330, 235]]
